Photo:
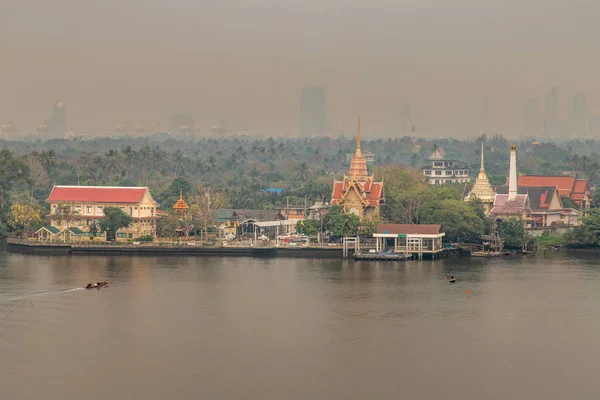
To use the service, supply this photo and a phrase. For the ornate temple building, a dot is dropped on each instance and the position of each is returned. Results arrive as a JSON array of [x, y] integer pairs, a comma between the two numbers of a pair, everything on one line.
[[358, 192], [481, 189]]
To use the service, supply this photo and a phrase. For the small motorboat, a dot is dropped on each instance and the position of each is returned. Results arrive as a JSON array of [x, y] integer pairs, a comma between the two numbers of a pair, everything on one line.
[[96, 285], [450, 278]]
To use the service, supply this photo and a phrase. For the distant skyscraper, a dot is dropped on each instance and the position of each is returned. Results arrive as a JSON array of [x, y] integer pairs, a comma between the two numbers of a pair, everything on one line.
[[551, 117], [578, 114], [532, 122], [594, 126], [312, 110], [58, 121]]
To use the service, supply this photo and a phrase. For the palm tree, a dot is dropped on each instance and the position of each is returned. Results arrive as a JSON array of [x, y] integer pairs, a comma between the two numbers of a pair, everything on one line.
[[303, 171]]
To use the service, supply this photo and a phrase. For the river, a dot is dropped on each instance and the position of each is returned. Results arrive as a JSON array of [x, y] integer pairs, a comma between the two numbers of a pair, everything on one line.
[[240, 328]]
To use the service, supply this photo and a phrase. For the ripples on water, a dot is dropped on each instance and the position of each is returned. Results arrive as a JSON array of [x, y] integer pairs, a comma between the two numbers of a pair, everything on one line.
[[203, 328]]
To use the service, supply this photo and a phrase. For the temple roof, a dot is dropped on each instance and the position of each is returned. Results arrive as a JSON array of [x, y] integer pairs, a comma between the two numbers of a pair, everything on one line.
[[181, 204], [369, 190], [516, 206], [540, 197], [358, 164]]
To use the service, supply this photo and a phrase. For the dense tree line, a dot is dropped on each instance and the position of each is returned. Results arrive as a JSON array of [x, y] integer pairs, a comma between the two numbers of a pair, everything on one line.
[[237, 172]]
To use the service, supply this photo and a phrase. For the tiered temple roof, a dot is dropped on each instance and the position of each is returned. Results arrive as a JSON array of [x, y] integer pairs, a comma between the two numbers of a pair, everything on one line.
[[181, 205], [481, 188], [367, 190]]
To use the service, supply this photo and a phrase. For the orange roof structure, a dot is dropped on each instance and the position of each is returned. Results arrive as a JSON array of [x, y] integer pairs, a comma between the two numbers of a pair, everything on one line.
[[97, 194], [570, 186], [181, 205]]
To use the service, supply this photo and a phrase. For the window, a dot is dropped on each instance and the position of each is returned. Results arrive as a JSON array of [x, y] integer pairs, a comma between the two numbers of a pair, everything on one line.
[[438, 164], [427, 172], [438, 172], [78, 209], [88, 209], [130, 210], [122, 235], [100, 210], [122, 208], [131, 236], [152, 211], [88, 222]]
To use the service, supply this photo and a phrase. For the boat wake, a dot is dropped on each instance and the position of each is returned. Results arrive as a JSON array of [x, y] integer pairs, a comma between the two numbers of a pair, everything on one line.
[[44, 294]]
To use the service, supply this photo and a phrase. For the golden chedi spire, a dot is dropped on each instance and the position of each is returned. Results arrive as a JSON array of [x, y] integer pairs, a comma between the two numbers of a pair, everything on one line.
[[358, 165], [482, 188], [181, 205]]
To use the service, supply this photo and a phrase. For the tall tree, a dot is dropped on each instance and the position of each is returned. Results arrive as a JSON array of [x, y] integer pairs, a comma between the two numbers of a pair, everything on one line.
[[114, 219]]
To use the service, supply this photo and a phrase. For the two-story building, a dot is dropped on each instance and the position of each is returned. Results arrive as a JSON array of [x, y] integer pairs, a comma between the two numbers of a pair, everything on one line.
[[82, 206], [442, 171]]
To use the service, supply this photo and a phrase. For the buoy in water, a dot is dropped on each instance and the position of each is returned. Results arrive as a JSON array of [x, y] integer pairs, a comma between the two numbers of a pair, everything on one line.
[[468, 291]]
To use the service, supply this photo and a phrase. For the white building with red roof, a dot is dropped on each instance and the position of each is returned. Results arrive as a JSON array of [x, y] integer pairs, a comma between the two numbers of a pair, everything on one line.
[[82, 206], [358, 192]]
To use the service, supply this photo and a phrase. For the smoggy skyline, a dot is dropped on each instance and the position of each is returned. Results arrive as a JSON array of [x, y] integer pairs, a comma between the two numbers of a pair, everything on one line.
[[141, 61]]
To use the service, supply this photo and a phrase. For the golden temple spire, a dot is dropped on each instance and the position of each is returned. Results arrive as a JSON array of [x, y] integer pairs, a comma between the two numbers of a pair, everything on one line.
[[358, 136], [482, 168], [358, 164]]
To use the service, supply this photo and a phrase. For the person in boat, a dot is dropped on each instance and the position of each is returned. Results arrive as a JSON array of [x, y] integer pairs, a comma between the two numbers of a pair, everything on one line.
[[89, 285]]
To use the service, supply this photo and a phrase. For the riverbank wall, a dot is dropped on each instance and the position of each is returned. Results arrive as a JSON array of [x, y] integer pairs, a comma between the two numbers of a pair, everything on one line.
[[28, 247]]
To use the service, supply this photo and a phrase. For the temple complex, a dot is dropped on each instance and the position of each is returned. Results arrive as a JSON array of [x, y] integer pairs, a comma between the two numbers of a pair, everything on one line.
[[481, 189], [358, 192]]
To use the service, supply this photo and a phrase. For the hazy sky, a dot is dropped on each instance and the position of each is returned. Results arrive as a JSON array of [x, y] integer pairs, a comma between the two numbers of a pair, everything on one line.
[[141, 60]]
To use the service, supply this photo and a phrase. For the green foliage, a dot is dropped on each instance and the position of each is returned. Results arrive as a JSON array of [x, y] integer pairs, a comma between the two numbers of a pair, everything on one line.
[[546, 241], [308, 227], [405, 193], [145, 238], [93, 231], [114, 219], [460, 220], [512, 233], [568, 203], [340, 224], [167, 226]]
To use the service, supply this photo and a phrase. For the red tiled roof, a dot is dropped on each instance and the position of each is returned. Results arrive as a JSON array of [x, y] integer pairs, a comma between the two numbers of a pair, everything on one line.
[[502, 205], [563, 183], [581, 186], [373, 191], [409, 229], [376, 194], [97, 194]]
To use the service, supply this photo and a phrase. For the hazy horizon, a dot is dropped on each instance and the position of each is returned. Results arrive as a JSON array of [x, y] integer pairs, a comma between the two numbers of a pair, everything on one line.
[[140, 61]]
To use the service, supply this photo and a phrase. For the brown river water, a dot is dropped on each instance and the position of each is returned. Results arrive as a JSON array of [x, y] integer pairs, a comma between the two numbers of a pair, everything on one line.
[[241, 328]]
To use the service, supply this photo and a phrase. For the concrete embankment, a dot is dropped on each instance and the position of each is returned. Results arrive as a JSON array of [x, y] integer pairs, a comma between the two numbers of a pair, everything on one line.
[[21, 246]]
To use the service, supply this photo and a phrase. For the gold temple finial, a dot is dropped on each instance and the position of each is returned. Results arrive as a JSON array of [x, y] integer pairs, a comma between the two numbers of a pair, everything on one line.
[[358, 136], [482, 168], [181, 193]]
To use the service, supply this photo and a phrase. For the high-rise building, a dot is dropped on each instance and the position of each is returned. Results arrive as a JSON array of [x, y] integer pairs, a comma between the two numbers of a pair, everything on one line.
[[578, 114], [551, 117], [312, 110], [58, 121], [532, 121], [594, 126]]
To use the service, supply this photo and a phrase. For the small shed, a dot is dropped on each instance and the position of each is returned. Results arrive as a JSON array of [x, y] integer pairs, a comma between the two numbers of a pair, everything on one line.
[[417, 239], [46, 233], [72, 234]]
